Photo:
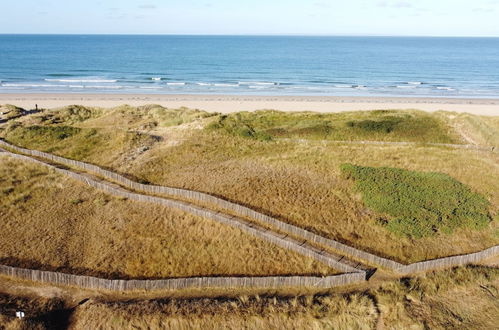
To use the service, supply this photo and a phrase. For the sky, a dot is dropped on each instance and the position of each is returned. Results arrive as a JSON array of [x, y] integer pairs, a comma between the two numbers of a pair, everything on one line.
[[255, 17]]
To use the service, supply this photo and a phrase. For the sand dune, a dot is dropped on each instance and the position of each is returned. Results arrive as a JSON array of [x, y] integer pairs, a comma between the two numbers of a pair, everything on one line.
[[231, 103]]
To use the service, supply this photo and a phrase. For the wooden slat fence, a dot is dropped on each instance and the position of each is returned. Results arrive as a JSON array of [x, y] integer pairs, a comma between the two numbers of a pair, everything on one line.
[[449, 262], [274, 282], [257, 231], [353, 276], [223, 204], [394, 143]]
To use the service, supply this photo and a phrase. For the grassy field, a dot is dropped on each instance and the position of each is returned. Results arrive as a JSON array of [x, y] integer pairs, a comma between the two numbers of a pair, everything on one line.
[[382, 125], [282, 164], [462, 298], [51, 222]]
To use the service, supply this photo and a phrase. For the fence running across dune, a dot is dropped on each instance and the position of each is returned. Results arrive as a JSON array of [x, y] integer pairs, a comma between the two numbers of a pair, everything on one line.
[[448, 262], [393, 143], [221, 203], [353, 273], [281, 240], [275, 282]]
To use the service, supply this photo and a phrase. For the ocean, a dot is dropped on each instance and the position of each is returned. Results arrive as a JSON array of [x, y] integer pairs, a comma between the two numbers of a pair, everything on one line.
[[250, 65]]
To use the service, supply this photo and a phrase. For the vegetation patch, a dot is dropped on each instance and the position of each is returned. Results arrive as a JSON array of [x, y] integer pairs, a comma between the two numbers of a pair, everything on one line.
[[413, 126], [10, 111], [238, 125], [171, 117], [420, 204], [75, 142], [49, 132], [70, 115], [385, 125]]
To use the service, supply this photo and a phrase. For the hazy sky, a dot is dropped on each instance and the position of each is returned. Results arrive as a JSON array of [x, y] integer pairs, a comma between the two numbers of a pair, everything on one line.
[[318, 17]]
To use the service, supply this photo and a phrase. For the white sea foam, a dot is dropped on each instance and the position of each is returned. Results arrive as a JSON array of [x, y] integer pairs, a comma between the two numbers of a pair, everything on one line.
[[176, 84], [225, 85], [406, 86], [258, 83], [150, 87], [33, 85], [266, 83], [156, 78], [445, 88], [62, 86], [415, 83], [203, 84], [343, 86], [83, 80], [105, 87]]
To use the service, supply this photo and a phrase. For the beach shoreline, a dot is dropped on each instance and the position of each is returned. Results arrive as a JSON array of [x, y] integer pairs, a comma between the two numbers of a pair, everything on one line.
[[234, 103]]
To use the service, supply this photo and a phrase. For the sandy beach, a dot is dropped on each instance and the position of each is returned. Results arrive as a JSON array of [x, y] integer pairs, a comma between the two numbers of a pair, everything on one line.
[[232, 103]]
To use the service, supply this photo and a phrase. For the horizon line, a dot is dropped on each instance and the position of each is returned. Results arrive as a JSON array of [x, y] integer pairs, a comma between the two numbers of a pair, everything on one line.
[[251, 35]]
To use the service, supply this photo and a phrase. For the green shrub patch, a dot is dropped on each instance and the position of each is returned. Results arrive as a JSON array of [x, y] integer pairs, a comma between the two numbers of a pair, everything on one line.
[[419, 204]]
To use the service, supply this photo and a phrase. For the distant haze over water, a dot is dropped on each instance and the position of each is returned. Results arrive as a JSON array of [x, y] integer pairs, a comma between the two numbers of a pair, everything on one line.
[[342, 66]]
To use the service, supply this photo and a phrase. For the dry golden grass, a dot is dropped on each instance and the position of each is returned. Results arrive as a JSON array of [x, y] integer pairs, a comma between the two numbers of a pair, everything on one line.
[[301, 184], [462, 298], [298, 182], [51, 222], [481, 130], [331, 312]]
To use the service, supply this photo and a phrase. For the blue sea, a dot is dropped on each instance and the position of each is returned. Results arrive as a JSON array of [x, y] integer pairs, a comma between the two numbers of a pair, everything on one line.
[[252, 65]]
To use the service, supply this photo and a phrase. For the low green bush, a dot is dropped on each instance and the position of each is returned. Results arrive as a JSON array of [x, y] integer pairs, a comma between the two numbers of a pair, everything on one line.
[[386, 125], [49, 132], [419, 204], [236, 125]]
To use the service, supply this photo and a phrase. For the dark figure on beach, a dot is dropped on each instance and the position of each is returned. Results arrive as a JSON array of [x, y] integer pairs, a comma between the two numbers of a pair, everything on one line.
[[36, 107]]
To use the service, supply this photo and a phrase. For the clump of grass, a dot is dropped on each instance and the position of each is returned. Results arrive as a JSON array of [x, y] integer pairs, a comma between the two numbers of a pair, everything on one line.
[[101, 201], [48, 133], [421, 204], [237, 125], [171, 117], [11, 111], [7, 190], [69, 115], [385, 125]]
